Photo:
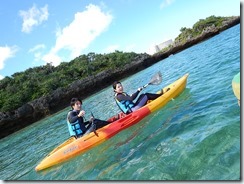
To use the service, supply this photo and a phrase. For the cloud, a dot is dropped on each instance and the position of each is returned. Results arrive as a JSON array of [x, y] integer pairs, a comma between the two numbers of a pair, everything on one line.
[[37, 47], [77, 36], [166, 3], [130, 48], [33, 17], [111, 48], [52, 58], [6, 53], [1, 77], [37, 51]]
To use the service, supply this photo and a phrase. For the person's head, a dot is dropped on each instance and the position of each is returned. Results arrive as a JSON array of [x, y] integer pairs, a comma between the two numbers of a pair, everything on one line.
[[76, 103], [117, 86]]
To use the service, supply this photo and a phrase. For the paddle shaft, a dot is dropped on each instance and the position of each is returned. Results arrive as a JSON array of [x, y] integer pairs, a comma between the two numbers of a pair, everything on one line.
[[145, 85]]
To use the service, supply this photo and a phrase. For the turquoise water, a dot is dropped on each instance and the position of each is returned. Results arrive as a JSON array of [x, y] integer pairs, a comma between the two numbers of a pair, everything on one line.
[[194, 137]]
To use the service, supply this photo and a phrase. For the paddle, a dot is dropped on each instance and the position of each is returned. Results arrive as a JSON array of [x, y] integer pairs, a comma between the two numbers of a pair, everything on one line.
[[93, 125], [155, 80]]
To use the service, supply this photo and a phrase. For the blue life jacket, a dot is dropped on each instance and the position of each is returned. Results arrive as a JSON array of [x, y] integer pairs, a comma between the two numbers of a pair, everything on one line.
[[124, 105], [74, 128]]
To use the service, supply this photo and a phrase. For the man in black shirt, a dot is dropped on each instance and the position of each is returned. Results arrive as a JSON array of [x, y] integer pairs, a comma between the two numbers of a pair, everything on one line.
[[76, 124]]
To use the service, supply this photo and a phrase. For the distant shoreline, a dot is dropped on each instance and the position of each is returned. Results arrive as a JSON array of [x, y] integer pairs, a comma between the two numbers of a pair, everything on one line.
[[35, 110]]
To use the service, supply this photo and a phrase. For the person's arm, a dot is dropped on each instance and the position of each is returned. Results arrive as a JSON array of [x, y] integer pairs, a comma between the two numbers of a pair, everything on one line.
[[134, 95], [73, 117], [87, 122], [121, 97]]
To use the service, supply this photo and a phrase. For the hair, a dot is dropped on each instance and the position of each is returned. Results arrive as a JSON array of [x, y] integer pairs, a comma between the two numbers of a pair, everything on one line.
[[115, 83], [74, 100]]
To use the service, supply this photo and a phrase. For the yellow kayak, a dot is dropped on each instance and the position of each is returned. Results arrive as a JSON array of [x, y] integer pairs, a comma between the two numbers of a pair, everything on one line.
[[236, 86], [73, 146]]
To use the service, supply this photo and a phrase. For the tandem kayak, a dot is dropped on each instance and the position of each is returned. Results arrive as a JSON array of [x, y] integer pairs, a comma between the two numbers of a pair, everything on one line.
[[236, 86], [73, 147]]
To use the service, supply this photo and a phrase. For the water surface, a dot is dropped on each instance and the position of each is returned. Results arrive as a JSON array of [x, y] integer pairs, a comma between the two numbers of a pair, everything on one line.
[[194, 137]]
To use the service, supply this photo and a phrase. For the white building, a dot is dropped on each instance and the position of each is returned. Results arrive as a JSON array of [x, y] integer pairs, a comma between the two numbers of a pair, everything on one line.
[[156, 48]]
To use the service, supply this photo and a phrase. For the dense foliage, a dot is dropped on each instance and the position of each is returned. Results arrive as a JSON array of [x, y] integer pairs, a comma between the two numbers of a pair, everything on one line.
[[200, 27], [33, 83]]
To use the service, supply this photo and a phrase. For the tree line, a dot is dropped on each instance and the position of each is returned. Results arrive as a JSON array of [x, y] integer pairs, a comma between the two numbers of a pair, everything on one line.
[[200, 27], [36, 82]]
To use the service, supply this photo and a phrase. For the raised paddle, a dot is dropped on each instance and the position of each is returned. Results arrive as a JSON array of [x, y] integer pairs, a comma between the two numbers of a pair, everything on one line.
[[155, 80]]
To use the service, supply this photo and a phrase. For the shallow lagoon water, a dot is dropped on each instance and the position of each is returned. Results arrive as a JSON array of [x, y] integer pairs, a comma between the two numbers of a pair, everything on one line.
[[194, 137]]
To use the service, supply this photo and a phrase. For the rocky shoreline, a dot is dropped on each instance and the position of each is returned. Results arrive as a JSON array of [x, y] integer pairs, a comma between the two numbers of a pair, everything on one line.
[[35, 110]]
